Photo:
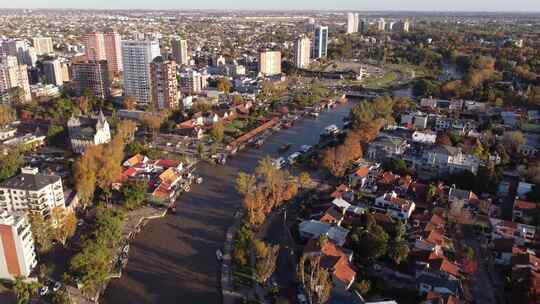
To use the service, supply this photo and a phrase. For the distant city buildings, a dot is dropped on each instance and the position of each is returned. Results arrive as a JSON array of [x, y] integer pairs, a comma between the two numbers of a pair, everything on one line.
[[17, 253], [53, 72], [302, 51], [87, 132], [352, 23], [164, 83], [193, 82], [43, 45], [136, 59], [14, 85], [92, 76], [381, 24], [180, 51], [20, 49], [269, 63], [320, 45], [104, 46]]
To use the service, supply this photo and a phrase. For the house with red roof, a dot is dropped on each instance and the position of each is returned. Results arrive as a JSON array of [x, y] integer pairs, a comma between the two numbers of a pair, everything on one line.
[[334, 259]]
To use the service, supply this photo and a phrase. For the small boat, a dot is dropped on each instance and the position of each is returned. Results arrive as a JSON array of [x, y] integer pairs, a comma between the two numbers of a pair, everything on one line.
[[172, 208], [314, 114], [285, 147], [219, 255], [287, 124]]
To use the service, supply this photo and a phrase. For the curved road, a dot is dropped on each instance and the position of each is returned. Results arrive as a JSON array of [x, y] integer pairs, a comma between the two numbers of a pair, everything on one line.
[[173, 259]]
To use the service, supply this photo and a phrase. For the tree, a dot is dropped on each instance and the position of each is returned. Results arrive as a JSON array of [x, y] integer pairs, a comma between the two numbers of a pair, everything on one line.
[[64, 224], [152, 121], [10, 163], [398, 250], [126, 130], [224, 85], [245, 182], [109, 165], [372, 243], [316, 280], [217, 132], [85, 174], [129, 103], [61, 297], [200, 151], [7, 114], [134, 194], [304, 180], [41, 231], [265, 260], [513, 140], [24, 290], [335, 160]]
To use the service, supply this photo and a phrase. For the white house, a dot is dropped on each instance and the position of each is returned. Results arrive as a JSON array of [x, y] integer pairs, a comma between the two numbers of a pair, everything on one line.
[[394, 206]]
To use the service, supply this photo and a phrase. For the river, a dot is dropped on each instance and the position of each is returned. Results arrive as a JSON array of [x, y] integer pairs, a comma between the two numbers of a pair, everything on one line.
[[173, 259]]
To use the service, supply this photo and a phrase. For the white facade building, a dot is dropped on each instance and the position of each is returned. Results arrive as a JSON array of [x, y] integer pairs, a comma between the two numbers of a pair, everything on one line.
[[302, 52], [43, 45], [352, 23], [136, 59], [86, 132], [31, 192], [17, 251]]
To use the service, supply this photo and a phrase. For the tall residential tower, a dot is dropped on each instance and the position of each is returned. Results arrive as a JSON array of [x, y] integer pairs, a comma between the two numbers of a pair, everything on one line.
[[136, 59], [302, 50]]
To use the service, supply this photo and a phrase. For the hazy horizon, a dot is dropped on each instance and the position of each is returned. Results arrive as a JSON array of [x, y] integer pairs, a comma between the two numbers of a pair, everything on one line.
[[522, 6]]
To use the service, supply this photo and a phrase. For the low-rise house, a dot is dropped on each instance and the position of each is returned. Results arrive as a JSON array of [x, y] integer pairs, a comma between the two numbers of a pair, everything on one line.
[[524, 212], [525, 278], [395, 206], [165, 178], [521, 233], [386, 147], [444, 159], [436, 298], [334, 259], [424, 137], [314, 229], [434, 283], [364, 175], [333, 215]]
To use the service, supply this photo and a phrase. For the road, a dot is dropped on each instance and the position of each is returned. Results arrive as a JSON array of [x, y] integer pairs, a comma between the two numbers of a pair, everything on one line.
[[173, 259]]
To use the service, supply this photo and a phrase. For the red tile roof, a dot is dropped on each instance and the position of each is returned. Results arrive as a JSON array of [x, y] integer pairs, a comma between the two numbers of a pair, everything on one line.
[[333, 258]]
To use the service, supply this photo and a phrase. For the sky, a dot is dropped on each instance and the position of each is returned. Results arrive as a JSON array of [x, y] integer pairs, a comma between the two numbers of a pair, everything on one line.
[[359, 5]]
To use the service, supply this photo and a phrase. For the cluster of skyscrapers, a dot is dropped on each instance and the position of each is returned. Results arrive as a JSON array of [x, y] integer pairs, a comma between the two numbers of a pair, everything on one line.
[[311, 45]]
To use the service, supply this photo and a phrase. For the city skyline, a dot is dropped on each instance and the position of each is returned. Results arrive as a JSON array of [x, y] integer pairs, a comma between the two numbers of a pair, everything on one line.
[[341, 5]]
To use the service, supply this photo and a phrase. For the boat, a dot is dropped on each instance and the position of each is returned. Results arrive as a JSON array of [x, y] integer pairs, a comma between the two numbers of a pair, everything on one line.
[[314, 114], [287, 124], [285, 147]]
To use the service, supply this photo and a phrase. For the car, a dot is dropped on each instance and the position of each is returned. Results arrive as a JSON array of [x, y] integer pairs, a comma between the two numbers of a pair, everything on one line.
[[125, 249], [80, 223], [279, 162], [56, 286], [305, 148], [292, 158], [44, 290]]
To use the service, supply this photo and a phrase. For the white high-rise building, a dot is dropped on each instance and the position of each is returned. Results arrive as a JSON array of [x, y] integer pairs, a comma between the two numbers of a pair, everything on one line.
[[302, 52], [43, 45], [381, 24], [13, 75], [352, 23], [180, 51], [320, 43], [17, 251], [32, 192], [136, 59], [270, 63]]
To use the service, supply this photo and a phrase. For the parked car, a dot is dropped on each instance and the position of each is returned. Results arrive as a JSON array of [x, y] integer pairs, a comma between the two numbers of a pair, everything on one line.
[[292, 158], [56, 286], [44, 290], [305, 148], [279, 162]]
